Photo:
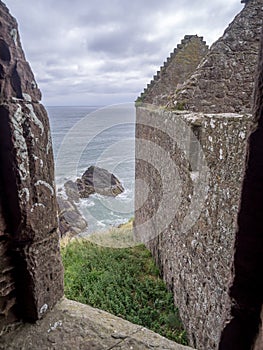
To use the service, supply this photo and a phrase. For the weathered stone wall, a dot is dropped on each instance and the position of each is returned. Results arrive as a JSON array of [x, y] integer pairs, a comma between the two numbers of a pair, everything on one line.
[[190, 224], [178, 67], [188, 190], [31, 277], [224, 80], [246, 293]]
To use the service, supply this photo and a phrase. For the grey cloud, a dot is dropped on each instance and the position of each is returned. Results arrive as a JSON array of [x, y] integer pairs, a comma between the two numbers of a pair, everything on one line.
[[91, 48], [122, 43]]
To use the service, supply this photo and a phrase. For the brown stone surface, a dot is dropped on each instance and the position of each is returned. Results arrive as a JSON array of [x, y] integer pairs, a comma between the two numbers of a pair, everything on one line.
[[16, 76], [31, 275], [178, 67], [189, 218], [71, 325], [224, 80]]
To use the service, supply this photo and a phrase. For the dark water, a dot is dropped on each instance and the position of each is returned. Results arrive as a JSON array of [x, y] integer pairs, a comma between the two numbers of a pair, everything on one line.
[[84, 136]]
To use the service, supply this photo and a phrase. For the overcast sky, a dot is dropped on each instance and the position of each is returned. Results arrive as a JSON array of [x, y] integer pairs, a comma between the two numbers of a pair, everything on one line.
[[99, 52]]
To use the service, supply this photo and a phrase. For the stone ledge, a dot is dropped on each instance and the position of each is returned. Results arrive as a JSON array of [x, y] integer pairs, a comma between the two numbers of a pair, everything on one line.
[[71, 325]]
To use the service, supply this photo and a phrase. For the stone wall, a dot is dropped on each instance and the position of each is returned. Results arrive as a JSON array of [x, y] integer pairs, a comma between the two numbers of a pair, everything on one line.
[[188, 218], [198, 202], [181, 63], [31, 275], [224, 80], [246, 292]]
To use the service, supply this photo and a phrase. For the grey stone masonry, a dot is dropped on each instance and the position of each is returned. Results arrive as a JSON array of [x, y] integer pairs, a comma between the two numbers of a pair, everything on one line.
[[192, 165], [199, 192], [224, 80], [176, 69], [74, 326]]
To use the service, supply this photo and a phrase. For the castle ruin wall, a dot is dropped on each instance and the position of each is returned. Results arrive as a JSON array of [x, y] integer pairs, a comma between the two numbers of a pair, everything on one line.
[[224, 80], [190, 224], [179, 66]]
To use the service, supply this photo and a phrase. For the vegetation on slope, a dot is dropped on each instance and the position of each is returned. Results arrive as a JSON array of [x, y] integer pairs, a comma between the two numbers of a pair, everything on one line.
[[122, 281]]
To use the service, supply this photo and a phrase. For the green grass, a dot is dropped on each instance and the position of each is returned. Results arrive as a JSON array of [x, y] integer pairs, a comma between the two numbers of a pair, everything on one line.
[[124, 282], [117, 237]]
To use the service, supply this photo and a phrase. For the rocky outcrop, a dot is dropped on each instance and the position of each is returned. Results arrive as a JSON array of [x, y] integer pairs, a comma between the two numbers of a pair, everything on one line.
[[98, 180], [71, 190], [30, 271], [224, 81], [71, 222], [94, 180]]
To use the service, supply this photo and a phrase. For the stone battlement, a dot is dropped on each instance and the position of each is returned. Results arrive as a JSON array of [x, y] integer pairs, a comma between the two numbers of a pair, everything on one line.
[[224, 80], [179, 65]]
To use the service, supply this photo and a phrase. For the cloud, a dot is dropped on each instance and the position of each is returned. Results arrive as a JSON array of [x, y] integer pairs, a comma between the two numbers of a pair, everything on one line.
[[85, 51]]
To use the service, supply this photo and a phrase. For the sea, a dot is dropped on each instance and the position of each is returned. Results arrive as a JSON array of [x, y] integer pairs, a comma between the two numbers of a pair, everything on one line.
[[103, 136]]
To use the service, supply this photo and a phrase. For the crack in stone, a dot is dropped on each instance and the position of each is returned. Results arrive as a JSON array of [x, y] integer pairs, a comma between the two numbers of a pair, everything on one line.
[[123, 340]]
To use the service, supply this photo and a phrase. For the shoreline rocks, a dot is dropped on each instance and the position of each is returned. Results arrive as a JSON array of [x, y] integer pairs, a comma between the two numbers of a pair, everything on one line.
[[71, 222], [98, 180], [94, 180]]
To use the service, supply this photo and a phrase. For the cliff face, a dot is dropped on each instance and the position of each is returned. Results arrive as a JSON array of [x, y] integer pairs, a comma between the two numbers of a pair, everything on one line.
[[30, 269], [223, 82]]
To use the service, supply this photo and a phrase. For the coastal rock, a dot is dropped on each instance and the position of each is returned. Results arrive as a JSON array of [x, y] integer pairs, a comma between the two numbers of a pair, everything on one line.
[[71, 189], [71, 222], [94, 180], [98, 180]]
